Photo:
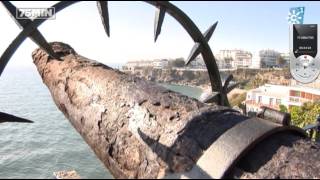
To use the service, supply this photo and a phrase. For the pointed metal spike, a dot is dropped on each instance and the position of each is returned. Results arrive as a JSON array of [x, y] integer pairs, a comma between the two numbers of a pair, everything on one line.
[[210, 97], [158, 20], [195, 51], [4, 117], [213, 99], [231, 87], [207, 35], [196, 48], [38, 38], [104, 14], [227, 82]]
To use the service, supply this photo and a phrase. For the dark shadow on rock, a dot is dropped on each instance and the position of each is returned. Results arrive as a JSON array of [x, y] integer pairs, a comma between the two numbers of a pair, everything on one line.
[[265, 150], [201, 131], [199, 172]]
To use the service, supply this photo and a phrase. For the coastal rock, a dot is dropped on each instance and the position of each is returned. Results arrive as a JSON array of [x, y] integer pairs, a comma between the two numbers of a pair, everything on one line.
[[66, 175]]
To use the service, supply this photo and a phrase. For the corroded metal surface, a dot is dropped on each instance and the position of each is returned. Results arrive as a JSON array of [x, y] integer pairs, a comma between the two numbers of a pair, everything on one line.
[[234, 143], [141, 130], [108, 107], [282, 156], [275, 116]]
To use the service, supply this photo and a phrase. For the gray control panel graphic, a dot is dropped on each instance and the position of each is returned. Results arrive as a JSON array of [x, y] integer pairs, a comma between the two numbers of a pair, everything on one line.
[[304, 56]]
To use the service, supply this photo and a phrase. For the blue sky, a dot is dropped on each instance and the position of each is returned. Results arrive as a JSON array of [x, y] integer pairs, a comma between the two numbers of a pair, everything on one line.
[[250, 26]]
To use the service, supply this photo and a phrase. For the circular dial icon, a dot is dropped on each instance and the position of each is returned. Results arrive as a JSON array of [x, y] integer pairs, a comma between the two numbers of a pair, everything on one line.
[[304, 69]]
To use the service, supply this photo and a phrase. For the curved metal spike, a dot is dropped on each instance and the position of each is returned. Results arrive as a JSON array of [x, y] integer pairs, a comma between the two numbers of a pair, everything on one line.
[[227, 82], [39, 39], [158, 20], [210, 97], [207, 35], [35, 36], [104, 14], [4, 117], [196, 50], [230, 88]]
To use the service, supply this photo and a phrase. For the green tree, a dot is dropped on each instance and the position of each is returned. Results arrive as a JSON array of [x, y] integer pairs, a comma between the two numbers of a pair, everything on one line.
[[305, 115], [283, 108], [237, 99], [296, 116]]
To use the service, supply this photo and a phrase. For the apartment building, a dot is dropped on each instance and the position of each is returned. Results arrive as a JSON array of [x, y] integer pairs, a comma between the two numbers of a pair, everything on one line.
[[131, 65], [234, 58], [269, 58], [275, 95]]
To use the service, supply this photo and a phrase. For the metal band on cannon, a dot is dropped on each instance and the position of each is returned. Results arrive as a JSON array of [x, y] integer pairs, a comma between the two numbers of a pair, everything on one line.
[[236, 142], [231, 146]]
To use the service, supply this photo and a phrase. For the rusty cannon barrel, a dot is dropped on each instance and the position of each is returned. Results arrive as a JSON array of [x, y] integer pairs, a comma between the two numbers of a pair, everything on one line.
[[139, 129], [275, 116]]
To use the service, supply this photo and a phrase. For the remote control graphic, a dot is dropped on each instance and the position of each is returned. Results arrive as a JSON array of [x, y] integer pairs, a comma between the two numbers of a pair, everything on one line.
[[304, 56]]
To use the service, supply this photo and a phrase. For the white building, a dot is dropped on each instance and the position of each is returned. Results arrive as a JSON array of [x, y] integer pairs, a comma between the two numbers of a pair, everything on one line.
[[286, 57], [315, 84], [160, 63], [234, 58], [131, 65], [221, 63], [256, 61], [275, 95], [268, 58], [198, 63]]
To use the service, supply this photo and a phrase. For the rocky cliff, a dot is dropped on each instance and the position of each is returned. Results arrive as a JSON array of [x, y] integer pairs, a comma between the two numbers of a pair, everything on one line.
[[200, 77], [197, 78]]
